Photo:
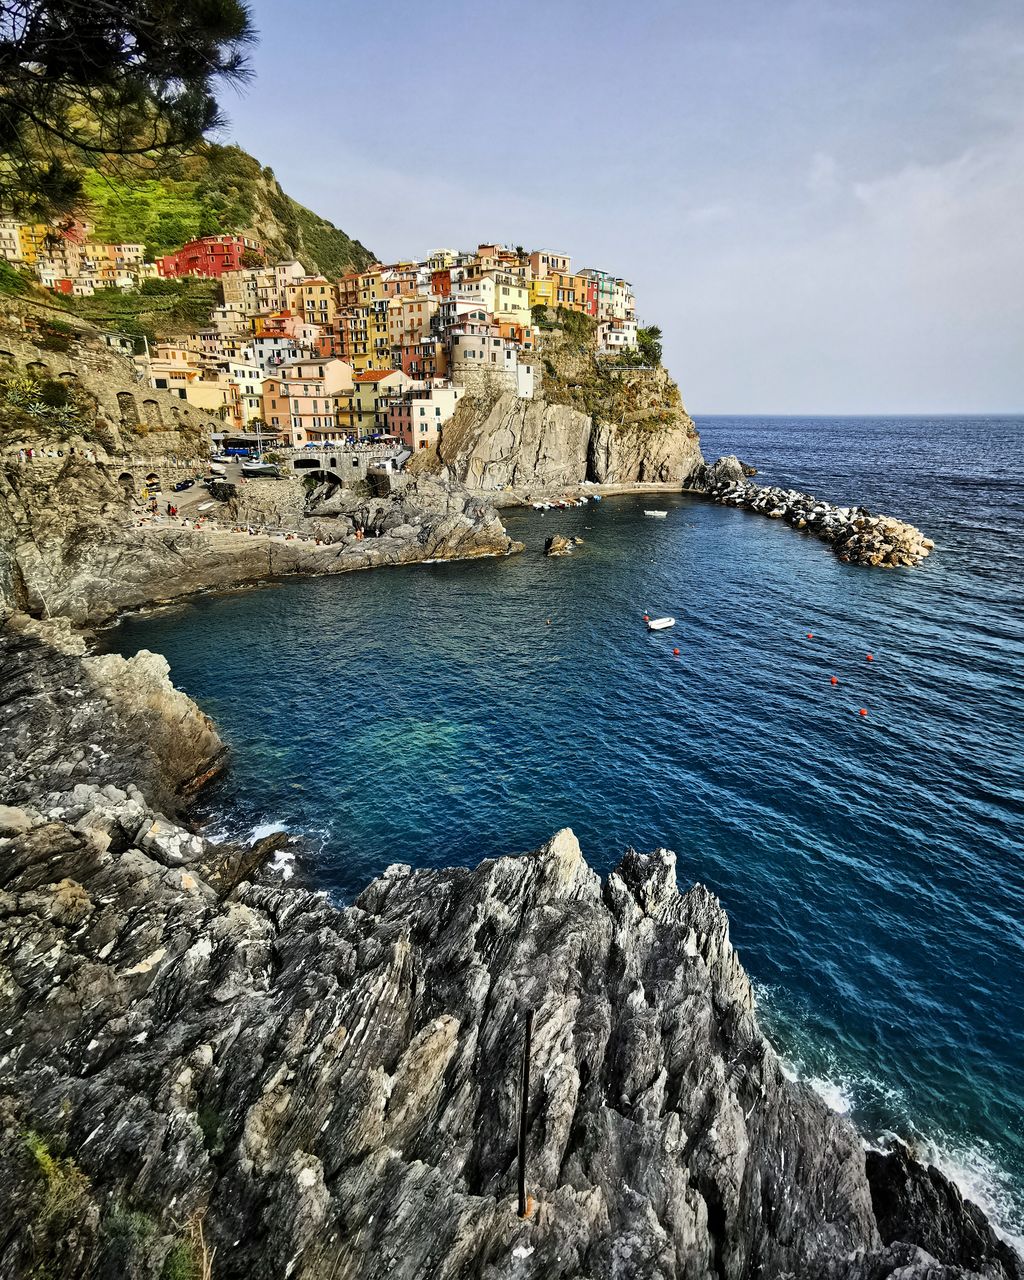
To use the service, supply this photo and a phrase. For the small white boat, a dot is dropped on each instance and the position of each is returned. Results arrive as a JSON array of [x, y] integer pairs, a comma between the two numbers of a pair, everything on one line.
[[660, 624], [656, 515]]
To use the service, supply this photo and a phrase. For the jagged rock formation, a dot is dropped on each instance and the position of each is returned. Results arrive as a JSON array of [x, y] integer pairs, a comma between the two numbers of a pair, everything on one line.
[[855, 535], [70, 547], [191, 1064]]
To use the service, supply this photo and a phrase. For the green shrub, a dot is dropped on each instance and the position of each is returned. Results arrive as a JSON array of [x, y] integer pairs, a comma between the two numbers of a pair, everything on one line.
[[53, 393], [65, 1186], [12, 282], [181, 1263], [158, 288], [126, 1235]]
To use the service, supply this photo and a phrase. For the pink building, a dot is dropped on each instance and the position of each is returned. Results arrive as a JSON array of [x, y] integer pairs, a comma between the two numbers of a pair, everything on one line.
[[418, 415]]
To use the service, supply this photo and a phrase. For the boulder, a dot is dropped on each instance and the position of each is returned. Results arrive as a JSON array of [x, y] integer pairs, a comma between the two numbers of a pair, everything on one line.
[[558, 545]]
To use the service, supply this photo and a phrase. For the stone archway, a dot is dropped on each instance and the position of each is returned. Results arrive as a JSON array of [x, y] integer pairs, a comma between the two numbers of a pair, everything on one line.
[[152, 415], [127, 482], [129, 409]]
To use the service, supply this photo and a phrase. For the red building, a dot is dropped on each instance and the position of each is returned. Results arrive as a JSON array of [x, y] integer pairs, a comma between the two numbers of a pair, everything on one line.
[[441, 283], [330, 342], [208, 256]]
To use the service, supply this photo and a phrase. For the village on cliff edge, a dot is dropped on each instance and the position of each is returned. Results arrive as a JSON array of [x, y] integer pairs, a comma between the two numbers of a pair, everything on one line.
[[292, 360]]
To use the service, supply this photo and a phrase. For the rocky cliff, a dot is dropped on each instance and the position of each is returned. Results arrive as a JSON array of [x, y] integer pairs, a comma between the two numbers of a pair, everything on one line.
[[592, 420], [202, 1070]]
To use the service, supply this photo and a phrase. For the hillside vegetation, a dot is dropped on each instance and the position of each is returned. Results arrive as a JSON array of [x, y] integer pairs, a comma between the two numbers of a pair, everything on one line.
[[619, 390], [159, 309], [218, 189]]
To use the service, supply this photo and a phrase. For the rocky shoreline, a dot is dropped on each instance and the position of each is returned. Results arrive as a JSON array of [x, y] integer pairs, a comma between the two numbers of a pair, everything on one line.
[[71, 545], [203, 1071], [854, 533], [196, 1061]]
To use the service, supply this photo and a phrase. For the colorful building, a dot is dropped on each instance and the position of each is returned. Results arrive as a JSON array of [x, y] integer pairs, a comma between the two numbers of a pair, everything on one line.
[[372, 393], [313, 388], [315, 299], [209, 256], [543, 263], [417, 415]]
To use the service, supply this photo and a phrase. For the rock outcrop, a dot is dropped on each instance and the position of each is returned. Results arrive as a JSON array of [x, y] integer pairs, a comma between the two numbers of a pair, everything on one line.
[[195, 1065], [523, 448], [593, 419], [70, 545], [854, 533], [559, 545]]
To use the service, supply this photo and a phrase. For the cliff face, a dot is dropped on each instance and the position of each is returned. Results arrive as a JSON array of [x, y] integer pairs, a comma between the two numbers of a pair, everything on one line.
[[193, 1064], [533, 446], [591, 421]]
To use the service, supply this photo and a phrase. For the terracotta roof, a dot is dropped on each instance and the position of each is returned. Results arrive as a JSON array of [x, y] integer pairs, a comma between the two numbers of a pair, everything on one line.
[[374, 375]]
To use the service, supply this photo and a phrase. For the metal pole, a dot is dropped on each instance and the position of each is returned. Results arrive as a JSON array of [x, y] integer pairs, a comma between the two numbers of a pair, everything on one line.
[[524, 1099]]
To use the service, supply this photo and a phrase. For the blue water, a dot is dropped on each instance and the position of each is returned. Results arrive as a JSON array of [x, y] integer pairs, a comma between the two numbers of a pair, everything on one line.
[[872, 867]]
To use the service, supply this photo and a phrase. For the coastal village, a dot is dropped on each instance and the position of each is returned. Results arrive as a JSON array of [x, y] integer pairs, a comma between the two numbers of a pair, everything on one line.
[[295, 360]]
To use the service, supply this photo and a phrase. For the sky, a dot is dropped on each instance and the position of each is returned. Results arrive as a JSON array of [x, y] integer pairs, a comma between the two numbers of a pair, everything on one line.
[[820, 202]]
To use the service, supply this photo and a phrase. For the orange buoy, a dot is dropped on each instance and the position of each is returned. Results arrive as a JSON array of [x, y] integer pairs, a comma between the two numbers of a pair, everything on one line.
[[863, 711], [834, 680], [871, 657], [675, 653]]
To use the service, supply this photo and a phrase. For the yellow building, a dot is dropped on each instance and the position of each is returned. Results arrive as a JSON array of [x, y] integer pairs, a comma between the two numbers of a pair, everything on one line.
[[353, 341], [315, 300], [32, 237], [223, 398], [511, 298], [542, 292], [377, 336]]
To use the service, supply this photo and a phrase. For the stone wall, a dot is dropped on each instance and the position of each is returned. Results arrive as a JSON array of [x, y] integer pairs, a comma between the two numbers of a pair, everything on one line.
[[131, 410]]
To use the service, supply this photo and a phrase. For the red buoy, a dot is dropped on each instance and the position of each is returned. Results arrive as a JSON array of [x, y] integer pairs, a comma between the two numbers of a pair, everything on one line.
[[834, 680], [871, 657], [675, 652], [647, 617], [863, 711], [810, 635]]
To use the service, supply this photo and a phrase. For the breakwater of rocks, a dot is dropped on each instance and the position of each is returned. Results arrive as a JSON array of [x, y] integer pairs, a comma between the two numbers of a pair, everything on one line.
[[856, 535]]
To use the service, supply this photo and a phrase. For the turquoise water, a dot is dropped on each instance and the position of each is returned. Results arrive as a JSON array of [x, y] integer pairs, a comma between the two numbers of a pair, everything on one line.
[[872, 867]]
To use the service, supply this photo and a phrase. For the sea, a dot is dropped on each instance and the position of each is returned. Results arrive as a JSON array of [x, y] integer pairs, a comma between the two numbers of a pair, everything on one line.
[[872, 865]]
